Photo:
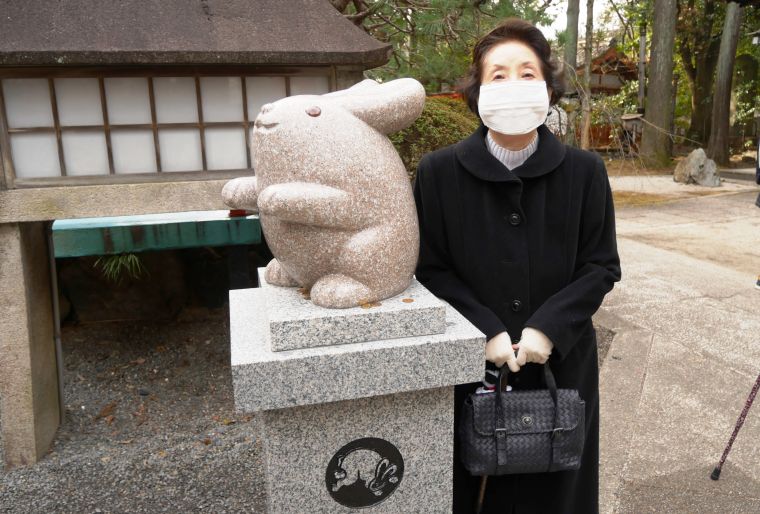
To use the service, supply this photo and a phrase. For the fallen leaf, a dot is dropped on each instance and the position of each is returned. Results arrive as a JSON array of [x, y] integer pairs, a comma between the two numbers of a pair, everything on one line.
[[126, 441], [162, 454], [206, 441], [140, 414], [226, 421], [160, 348], [107, 411], [109, 419], [138, 361], [408, 300]]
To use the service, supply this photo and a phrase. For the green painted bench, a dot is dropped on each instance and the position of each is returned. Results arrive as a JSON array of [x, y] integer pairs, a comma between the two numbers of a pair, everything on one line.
[[130, 234], [175, 230]]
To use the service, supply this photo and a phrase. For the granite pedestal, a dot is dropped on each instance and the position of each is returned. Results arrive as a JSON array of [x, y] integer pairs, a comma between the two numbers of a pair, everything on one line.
[[360, 425]]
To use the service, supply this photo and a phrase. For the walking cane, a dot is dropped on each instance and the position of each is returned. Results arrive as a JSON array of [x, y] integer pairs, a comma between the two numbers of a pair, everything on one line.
[[739, 422], [482, 494]]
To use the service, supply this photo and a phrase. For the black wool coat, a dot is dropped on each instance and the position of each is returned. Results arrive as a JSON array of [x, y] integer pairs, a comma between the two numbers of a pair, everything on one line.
[[530, 247]]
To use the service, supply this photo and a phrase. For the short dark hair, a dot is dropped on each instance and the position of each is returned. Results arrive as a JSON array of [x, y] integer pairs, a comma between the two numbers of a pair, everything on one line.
[[512, 29]]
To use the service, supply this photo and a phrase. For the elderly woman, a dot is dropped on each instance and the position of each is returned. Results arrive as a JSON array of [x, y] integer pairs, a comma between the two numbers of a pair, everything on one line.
[[518, 234]]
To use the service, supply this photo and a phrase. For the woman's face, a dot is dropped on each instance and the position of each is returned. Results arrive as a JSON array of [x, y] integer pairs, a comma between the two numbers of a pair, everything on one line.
[[511, 60]]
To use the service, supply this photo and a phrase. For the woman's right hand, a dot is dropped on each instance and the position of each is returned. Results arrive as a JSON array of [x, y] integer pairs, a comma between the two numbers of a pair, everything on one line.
[[499, 349]]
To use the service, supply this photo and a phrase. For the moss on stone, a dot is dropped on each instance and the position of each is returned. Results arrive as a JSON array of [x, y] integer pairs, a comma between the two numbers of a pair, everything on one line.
[[444, 121]]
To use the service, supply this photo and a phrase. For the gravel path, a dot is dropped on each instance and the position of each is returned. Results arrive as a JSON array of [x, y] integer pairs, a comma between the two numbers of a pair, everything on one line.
[[150, 425]]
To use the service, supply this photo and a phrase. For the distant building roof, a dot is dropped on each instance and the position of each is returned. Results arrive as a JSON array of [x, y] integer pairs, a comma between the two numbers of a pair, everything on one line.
[[609, 70], [613, 61], [98, 32]]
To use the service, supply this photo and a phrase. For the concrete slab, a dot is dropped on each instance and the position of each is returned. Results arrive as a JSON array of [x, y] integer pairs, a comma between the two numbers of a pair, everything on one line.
[[711, 328], [621, 382], [689, 405], [689, 491], [672, 276]]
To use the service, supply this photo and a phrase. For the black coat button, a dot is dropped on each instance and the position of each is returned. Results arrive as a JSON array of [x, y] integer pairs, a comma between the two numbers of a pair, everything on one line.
[[516, 305], [514, 219]]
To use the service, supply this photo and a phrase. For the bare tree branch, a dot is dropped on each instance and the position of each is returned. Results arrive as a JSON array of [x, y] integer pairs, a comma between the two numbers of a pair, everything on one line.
[[626, 25]]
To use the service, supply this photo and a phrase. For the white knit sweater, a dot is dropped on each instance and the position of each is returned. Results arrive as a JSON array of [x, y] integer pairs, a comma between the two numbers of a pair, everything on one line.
[[511, 158]]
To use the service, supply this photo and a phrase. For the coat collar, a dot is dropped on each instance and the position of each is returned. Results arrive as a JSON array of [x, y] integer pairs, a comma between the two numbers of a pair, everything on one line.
[[474, 155]]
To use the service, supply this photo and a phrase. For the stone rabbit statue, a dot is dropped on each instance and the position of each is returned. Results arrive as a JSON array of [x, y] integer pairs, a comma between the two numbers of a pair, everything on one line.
[[334, 199]]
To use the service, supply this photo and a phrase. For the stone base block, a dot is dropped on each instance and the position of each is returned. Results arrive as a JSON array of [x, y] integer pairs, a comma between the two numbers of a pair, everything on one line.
[[264, 379], [295, 322], [28, 370], [390, 453]]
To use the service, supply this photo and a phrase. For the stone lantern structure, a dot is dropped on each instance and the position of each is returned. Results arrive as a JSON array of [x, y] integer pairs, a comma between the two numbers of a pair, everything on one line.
[[126, 108]]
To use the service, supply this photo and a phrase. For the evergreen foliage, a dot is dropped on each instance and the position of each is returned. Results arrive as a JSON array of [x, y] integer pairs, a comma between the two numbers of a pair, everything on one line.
[[444, 121]]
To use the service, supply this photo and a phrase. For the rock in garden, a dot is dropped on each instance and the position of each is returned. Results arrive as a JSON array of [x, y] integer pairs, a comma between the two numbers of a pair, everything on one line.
[[697, 169]]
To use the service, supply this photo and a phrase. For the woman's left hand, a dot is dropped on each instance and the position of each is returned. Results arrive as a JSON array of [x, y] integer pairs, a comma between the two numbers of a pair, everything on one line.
[[534, 346]]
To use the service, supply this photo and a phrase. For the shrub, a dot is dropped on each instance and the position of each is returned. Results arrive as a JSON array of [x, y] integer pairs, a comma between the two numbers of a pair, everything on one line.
[[444, 121]]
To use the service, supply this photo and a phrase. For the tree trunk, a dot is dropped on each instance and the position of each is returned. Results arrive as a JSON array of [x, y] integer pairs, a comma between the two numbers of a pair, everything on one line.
[[571, 44], [586, 130], [701, 95], [571, 62], [673, 101], [717, 148], [642, 64], [699, 55], [655, 141]]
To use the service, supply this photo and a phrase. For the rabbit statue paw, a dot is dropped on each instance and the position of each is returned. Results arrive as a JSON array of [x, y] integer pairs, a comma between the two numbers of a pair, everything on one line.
[[339, 292], [275, 275]]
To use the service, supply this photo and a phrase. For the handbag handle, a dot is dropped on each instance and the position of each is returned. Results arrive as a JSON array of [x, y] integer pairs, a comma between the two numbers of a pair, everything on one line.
[[549, 380]]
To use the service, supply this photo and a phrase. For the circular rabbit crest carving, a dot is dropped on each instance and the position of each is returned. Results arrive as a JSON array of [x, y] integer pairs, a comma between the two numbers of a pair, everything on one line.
[[364, 472]]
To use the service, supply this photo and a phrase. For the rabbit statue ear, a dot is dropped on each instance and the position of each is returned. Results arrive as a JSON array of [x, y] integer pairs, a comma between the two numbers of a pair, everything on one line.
[[387, 107]]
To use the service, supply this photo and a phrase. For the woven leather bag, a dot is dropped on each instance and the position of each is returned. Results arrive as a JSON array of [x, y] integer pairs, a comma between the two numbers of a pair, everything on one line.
[[528, 431]]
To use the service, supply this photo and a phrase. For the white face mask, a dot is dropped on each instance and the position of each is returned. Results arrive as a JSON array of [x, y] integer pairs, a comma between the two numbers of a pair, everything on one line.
[[513, 106]]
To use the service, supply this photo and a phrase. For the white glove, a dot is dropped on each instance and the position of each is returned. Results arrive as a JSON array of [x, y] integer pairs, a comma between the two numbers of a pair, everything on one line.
[[499, 349], [534, 346]]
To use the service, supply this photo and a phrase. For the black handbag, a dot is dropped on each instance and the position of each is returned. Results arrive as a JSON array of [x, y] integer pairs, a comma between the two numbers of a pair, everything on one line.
[[526, 431]]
